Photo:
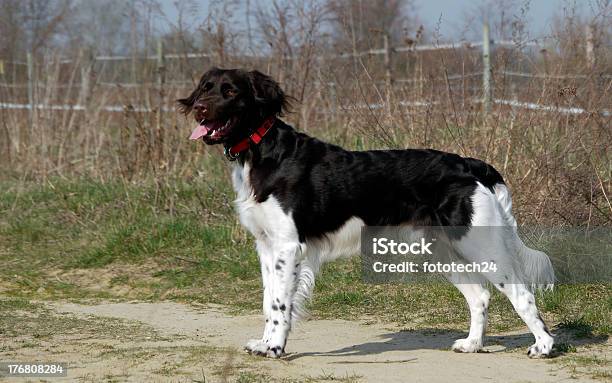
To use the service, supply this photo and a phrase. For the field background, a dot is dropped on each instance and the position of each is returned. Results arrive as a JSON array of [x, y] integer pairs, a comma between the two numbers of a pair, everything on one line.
[[102, 197]]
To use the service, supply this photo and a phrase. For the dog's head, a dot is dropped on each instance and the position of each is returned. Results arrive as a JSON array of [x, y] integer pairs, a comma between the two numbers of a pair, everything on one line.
[[229, 104]]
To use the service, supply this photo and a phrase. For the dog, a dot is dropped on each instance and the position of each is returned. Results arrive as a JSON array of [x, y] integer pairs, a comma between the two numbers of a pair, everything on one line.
[[305, 202]]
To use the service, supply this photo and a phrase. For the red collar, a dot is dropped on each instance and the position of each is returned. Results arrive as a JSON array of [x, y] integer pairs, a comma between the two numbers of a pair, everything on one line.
[[232, 152]]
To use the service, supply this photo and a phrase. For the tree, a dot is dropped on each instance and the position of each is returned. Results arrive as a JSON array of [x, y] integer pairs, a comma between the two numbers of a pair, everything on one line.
[[360, 22], [28, 26]]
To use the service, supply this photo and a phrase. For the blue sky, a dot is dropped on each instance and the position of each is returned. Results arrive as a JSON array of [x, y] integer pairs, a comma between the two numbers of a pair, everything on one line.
[[453, 13]]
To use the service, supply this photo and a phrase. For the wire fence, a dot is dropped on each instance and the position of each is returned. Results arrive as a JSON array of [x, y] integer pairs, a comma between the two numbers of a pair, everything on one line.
[[484, 90]]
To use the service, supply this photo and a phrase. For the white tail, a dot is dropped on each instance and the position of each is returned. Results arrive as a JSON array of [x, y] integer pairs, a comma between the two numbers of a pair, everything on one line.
[[537, 268]]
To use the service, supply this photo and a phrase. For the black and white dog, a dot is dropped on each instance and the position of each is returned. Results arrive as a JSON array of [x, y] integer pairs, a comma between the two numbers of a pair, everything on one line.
[[305, 202]]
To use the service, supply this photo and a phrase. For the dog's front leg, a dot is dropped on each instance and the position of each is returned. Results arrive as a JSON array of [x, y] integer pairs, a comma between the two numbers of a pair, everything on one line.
[[266, 261], [277, 266]]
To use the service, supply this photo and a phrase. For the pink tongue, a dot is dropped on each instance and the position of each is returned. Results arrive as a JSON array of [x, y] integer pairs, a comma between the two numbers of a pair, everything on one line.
[[198, 132]]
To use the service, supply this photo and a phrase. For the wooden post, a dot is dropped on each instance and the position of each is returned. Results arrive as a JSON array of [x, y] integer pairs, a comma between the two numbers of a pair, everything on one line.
[[333, 100], [14, 74], [421, 80], [84, 98], [590, 46], [486, 70], [388, 77], [31, 105], [87, 77], [85, 85], [221, 44], [161, 72], [133, 41]]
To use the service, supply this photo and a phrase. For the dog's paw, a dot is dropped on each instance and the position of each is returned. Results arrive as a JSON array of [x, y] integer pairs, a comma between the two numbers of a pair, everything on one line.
[[261, 348], [275, 352], [256, 346], [540, 350], [467, 345]]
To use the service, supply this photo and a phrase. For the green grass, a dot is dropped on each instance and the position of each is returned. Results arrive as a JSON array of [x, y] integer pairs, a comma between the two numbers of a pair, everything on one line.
[[180, 240], [594, 366]]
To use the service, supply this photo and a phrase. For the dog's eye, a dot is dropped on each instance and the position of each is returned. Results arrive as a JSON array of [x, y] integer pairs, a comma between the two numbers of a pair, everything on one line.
[[208, 86], [230, 93]]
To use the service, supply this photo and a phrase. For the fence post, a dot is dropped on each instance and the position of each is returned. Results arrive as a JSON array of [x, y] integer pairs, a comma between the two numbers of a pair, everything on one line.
[[87, 77], [31, 105], [486, 71], [388, 77], [161, 71], [333, 100], [590, 46]]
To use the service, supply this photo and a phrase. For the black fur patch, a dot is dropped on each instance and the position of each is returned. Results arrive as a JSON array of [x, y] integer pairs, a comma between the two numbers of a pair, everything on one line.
[[383, 187]]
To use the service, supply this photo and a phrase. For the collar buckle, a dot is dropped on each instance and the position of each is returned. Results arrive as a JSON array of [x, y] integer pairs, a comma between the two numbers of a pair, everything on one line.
[[228, 154]]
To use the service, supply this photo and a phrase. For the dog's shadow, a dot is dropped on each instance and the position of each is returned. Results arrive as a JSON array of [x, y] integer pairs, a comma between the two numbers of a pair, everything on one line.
[[442, 339]]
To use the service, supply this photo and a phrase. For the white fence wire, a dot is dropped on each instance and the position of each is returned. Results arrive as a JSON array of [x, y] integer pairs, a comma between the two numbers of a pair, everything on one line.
[[373, 106], [369, 52]]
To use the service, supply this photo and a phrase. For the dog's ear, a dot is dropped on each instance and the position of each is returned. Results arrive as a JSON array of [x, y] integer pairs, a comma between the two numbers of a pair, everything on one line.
[[185, 105], [268, 94]]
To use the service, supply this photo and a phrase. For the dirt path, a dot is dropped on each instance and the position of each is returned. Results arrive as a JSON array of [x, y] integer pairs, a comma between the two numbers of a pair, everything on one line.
[[332, 349]]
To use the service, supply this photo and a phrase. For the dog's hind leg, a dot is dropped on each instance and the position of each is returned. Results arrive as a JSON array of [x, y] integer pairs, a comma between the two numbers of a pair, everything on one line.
[[523, 301], [306, 270], [509, 280], [494, 239], [477, 297], [532, 270], [344, 242]]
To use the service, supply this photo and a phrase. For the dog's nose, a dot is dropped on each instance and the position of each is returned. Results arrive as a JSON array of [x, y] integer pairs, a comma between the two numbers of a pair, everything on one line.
[[201, 111]]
